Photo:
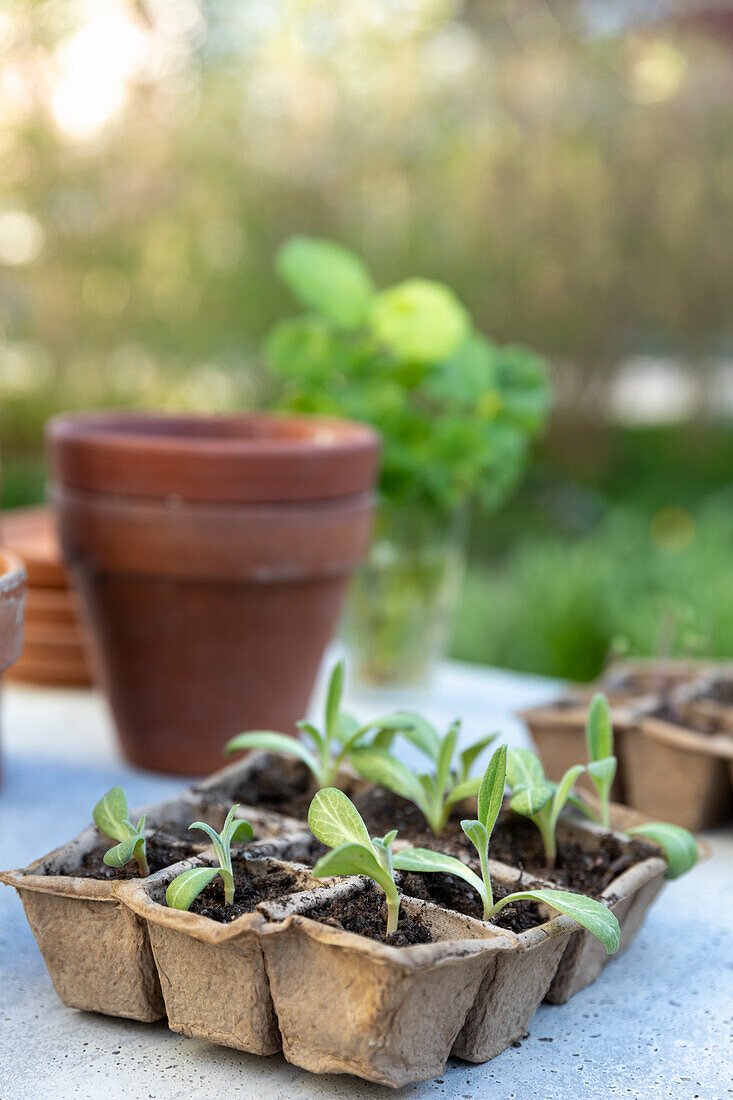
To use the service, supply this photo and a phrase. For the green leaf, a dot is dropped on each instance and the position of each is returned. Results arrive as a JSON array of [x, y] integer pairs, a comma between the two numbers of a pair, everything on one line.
[[524, 769], [110, 814], [333, 699], [208, 829], [679, 846], [188, 885], [387, 726], [419, 732], [379, 767], [121, 853], [274, 742], [469, 756], [311, 731], [528, 801], [347, 726], [419, 320], [598, 729], [445, 756], [469, 788], [241, 832], [353, 859], [491, 791], [562, 791], [327, 277], [602, 773], [389, 838], [594, 916], [422, 860], [479, 835], [334, 820]]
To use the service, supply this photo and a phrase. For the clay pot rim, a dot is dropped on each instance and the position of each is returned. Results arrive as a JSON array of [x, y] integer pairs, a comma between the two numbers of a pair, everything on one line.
[[252, 456], [12, 573]]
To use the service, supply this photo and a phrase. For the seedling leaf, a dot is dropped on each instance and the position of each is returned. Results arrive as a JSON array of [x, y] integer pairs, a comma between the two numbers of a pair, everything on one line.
[[469, 788], [471, 754], [598, 729], [121, 853], [524, 769], [188, 885], [273, 742], [491, 791], [423, 860], [530, 800], [679, 847], [110, 814], [242, 832], [591, 914], [333, 699], [334, 820], [379, 767]]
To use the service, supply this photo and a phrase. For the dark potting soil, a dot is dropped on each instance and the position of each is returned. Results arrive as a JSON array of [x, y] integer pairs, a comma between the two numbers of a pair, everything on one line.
[[722, 692], [590, 870], [452, 893], [709, 724], [307, 851], [249, 891], [383, 811], [163, 848], [366, 915], [285, 787]]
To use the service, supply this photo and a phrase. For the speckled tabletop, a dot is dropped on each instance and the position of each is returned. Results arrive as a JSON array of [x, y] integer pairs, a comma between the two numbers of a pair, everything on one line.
[[658, 1023]]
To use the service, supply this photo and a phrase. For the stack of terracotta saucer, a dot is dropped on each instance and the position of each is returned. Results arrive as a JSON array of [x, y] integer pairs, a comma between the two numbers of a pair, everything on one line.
[[54, 649]]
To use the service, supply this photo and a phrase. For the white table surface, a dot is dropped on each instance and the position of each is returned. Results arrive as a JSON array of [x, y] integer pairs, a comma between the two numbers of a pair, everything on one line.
[[657, 1024]]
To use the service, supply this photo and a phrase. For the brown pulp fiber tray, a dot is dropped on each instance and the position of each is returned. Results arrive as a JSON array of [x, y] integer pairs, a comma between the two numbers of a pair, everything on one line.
[[259, 980], [668, 770]]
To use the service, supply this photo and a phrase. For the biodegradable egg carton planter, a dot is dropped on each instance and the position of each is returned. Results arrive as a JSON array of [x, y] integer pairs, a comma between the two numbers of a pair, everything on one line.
[[97, 952], [346, 1003], [558, 731], [628, 896], [266, 774], [212, 975], [676, 772]]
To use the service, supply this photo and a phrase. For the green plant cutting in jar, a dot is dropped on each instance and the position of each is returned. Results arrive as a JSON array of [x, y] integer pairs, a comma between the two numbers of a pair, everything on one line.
[[456, 413]]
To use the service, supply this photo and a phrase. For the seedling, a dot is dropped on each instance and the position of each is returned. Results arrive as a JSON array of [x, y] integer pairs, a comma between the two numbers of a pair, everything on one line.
[[188, 885], [335, 821], [535, 797], [433, 793], [601, 761], [589, 913], [112, 817], [679, 846], [330, 746]]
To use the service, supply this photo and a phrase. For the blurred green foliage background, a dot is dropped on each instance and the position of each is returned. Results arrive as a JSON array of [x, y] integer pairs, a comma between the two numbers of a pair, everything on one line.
[[566, 168]]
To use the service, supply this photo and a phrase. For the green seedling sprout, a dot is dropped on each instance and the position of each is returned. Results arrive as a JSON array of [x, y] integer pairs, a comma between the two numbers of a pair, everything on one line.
[[433, 793], [589, 913], [332, 745], [679, 846], [601, 760], [335, 821], [188, 885], [112, 817], [535, 797]]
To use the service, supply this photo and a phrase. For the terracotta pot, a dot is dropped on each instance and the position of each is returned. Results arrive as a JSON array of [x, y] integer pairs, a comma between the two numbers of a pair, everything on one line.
[[12, 602], [212, 555], [639, 676]]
